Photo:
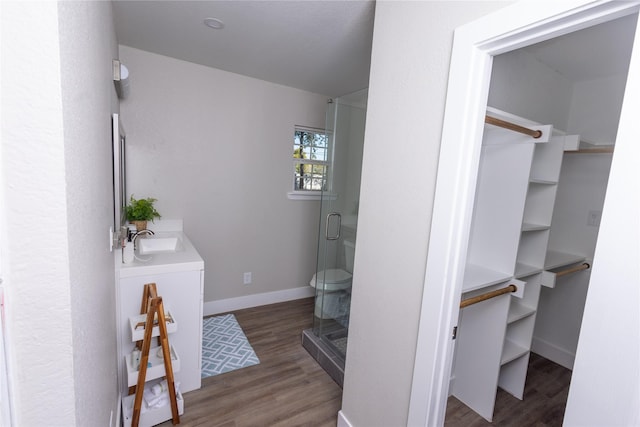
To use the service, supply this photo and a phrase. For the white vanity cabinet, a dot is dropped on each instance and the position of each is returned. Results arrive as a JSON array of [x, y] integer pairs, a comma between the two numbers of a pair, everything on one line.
[[179, 278]]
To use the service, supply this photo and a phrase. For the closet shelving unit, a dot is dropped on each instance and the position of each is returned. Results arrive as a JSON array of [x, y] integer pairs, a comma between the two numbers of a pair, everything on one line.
[[559, 260], [530, 262], [515, 193]]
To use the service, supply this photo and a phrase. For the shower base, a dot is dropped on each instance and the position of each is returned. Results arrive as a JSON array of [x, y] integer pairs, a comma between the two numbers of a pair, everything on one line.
[[326, 352]]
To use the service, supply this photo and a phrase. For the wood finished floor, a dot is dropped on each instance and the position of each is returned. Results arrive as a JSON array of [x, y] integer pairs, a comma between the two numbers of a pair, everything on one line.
[[545, 398], [288, 388]]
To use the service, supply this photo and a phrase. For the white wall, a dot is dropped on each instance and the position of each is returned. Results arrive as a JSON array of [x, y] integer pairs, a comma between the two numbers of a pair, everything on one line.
[[520, 85], [56, 103], [215, 149], [595, 109], [410, 65], [32, 139], [87, 47], [605, 386]]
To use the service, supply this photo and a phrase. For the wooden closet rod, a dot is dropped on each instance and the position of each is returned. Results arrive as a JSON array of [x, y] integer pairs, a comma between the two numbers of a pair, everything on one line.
[[600, 150], [581, 267], [483, 297], [512, 126]]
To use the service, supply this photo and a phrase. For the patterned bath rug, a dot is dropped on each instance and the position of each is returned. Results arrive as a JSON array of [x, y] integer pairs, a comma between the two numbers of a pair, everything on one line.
[[225, 348]]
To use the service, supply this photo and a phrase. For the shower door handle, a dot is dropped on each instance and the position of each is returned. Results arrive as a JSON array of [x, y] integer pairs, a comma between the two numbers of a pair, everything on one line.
[[326, 228]]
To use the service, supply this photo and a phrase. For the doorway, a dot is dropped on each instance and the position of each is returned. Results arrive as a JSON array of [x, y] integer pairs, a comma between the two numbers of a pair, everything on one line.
[[475, 47]]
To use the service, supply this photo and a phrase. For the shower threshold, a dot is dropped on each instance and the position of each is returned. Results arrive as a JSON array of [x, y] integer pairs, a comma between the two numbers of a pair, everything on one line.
[[326, 353]]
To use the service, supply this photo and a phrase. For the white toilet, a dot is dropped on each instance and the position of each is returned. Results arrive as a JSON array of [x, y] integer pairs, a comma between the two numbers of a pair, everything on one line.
[[336, 284]]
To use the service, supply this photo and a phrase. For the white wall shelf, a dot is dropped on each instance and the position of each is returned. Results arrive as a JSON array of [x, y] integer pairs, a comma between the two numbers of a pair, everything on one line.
[[557, 259], [542, 181], [512, 351], [540, 200], [476, 277], [519, 311], [156, 368], [150, 416], [523, 270], [528, 226]]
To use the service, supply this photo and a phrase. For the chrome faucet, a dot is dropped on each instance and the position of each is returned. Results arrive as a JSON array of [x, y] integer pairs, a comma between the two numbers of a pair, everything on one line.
[[134, 239]]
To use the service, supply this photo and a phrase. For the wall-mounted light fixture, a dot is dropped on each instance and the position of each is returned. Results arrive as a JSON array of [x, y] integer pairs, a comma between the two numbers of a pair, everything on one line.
[[120, 79]]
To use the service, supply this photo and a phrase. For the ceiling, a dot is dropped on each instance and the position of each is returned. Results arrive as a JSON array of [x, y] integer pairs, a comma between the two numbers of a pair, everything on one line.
[[595, 52], [323, 46], [318, 46]]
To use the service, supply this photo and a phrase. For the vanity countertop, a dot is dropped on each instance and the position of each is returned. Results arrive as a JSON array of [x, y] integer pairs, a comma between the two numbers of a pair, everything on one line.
[[186, 259]]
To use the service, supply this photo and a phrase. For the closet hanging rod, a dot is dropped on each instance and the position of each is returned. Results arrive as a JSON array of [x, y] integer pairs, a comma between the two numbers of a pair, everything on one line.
[[483, 297], [583, 266], [512, 126], [600, 150]]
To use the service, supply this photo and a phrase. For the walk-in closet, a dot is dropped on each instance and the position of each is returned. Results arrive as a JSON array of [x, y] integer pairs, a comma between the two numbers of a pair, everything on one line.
[[549, 139]]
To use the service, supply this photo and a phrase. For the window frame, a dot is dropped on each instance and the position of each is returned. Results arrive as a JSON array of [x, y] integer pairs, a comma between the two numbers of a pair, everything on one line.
[[297, 194]]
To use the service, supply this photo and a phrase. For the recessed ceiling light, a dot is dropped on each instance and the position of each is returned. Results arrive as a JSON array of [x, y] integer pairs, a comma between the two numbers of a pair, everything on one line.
[[214, 23]]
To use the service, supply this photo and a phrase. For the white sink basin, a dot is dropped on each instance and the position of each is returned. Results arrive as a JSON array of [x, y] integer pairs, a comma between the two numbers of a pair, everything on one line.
[[154, 245]]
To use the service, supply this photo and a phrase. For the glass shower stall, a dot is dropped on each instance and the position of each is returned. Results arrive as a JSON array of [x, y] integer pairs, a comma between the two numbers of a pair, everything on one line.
[[327, 341]]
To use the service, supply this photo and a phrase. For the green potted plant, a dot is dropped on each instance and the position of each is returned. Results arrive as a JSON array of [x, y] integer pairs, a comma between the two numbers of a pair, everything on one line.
[[140, 211]]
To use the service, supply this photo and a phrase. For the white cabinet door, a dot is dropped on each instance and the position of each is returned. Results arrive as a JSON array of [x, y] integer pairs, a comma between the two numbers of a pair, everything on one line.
[[181, 293]]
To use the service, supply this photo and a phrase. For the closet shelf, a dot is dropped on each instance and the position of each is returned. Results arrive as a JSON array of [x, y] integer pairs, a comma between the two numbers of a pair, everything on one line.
[[529, 226], [557, 259], [542, 181], [523, 270], [511, 351], [476, 277], [519, 311]]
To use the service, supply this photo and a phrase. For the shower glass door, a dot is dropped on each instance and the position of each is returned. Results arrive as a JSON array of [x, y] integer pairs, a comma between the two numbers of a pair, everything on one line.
[[345, 124]]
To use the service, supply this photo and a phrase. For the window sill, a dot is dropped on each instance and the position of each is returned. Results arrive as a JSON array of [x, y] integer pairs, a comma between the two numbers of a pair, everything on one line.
[[311, 195]]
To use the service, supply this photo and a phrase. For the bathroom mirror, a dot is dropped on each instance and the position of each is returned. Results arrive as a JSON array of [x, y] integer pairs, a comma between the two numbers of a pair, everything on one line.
[[119, 180]]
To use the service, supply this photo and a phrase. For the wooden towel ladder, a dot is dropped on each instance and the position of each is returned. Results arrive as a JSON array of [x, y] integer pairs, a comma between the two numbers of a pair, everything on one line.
[[152, 306]]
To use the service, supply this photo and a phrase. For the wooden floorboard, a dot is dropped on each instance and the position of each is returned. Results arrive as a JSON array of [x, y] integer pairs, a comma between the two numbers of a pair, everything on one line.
[[288, 388]]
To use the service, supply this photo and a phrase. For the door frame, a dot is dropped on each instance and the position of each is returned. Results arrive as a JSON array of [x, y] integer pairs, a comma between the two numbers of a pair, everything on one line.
[[474, 45]]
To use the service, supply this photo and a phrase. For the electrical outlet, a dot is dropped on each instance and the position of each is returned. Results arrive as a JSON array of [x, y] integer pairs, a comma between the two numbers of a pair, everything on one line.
[[247, 278], [594, 218]]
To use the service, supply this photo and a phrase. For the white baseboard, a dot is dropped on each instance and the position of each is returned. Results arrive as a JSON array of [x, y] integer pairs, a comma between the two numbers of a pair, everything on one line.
[[256, 300], [342, 420], [552, 352]]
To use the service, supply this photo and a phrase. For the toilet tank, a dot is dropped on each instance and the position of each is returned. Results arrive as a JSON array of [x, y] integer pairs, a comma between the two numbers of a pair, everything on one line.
[[349, 254]]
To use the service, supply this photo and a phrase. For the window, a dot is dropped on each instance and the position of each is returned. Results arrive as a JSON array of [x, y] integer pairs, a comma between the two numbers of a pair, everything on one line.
[[311, 160]]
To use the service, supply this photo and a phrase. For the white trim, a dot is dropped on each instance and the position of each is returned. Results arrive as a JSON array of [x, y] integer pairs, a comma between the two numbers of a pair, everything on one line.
[[311, 195], [474, 45], [552, 352], [311, 129], [342, 420], [256, 300], [118, 418]]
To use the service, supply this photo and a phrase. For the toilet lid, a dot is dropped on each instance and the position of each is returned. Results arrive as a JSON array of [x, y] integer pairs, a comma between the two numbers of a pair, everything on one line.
[[334, 276]]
